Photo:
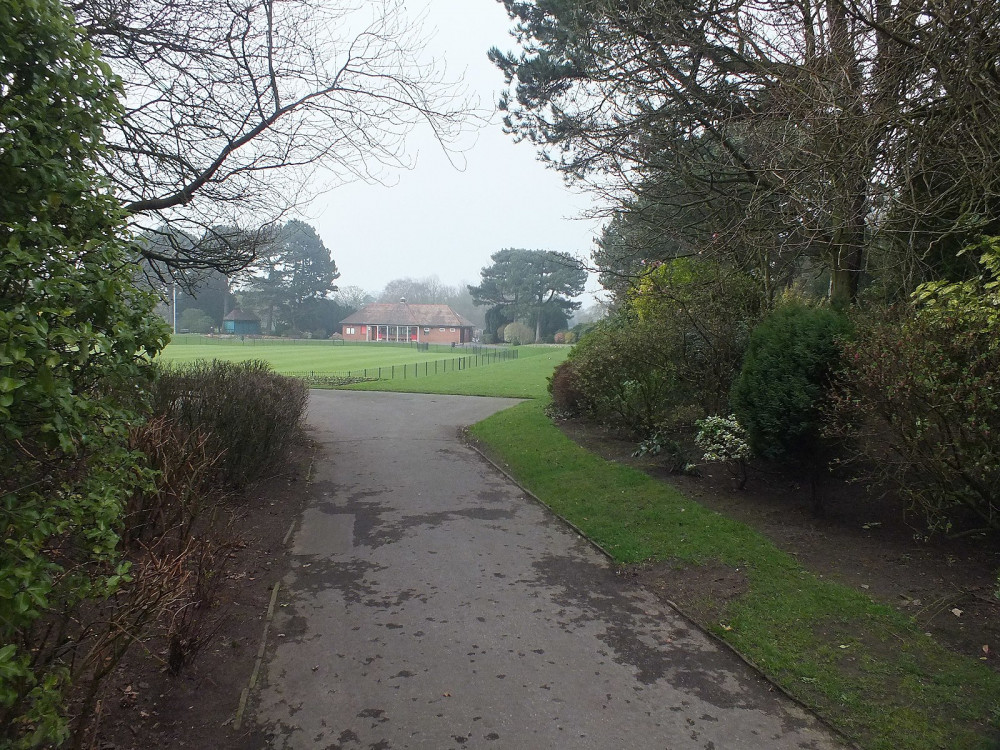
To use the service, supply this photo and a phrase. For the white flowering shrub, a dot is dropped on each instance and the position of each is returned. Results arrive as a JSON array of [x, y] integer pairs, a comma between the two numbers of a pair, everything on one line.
[[724, 441]]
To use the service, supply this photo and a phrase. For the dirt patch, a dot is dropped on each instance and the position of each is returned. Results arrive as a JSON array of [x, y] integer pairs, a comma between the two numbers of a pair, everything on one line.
[[946, 586], [700, 591], [144, 706]]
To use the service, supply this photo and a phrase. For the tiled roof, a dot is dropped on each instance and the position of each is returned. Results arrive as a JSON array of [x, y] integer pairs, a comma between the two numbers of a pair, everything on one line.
[[403, 314], [238, 314]]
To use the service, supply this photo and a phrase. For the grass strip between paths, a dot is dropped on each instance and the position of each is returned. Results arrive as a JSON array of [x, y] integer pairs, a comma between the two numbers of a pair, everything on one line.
[[863, 666]]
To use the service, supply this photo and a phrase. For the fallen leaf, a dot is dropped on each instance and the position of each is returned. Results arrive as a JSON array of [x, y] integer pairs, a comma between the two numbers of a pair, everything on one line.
[[957, 612]]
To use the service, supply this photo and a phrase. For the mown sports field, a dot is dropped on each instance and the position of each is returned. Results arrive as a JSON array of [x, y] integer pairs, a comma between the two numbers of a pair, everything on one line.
[[519, 372]]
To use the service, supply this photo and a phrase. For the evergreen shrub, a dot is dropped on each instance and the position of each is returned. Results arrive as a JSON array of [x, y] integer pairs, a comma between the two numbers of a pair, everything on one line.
[[785, 380]]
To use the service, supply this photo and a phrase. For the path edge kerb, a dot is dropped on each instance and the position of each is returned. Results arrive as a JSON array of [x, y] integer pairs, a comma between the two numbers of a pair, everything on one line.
[[472, 442]]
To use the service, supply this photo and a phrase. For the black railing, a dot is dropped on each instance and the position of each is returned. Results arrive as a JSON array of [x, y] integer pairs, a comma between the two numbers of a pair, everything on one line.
[[477, 358]]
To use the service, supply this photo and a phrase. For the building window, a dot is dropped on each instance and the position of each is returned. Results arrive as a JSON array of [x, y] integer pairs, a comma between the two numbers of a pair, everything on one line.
[[349, 331], [452, 330], [441, 329]]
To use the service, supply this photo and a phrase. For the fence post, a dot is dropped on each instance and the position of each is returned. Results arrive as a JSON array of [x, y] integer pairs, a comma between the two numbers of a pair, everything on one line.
[[393, 374]]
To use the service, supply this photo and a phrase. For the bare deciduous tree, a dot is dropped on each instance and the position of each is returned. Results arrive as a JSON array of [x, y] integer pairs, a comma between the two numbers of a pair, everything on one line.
[[233, 107]]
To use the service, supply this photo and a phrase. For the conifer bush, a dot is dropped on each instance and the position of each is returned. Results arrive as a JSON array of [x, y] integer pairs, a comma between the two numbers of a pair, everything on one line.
[[785, 380]]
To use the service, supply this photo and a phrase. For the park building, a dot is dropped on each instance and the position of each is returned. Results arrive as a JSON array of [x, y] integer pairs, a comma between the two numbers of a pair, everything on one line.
[[241, 323], [403, 322]]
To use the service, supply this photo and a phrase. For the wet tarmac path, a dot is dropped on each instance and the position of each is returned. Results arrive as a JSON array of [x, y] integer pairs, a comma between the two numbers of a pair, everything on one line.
[[432, 605]]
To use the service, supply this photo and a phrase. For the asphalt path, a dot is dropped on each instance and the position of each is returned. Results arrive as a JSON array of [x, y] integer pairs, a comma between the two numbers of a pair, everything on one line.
[[432, 604]]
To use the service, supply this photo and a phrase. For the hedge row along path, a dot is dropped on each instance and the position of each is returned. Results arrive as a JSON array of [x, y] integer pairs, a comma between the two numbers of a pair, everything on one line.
[[432, 604]]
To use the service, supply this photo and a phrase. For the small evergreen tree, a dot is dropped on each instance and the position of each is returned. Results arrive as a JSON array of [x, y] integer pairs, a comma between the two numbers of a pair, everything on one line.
[[779, 394]]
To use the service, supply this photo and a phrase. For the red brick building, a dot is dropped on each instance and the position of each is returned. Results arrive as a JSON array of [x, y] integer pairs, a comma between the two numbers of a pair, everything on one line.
[[399, 321]]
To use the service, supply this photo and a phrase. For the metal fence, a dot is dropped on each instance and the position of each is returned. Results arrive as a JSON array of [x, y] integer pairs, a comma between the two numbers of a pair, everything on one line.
[[477, 358], [190, 339]]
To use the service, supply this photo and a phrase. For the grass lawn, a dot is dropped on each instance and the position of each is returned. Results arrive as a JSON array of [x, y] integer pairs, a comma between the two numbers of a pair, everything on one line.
[[307, 357], [525, 377], [863, 666]]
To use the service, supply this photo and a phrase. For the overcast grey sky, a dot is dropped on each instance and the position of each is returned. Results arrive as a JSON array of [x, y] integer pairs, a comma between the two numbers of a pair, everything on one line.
[[435, 220]]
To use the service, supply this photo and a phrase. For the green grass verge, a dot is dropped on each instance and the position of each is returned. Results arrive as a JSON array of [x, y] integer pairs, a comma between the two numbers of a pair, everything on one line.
[[524, 377], [863, 666]]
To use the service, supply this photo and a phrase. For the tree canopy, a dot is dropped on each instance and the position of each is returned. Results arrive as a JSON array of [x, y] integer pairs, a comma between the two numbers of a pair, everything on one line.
[[292, 275], [527, 283], [839, 131]]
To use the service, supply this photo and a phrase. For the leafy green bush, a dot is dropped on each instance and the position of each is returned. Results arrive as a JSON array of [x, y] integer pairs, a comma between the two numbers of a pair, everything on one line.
[[920, 397], [624, 374], [74, 339], [672, 452], [251, 413], [709, 311], [785, 380], [670, 356], [517, 334]]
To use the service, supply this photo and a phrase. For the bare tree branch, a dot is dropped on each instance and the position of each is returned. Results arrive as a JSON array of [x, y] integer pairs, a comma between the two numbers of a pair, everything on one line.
[[234, 108]]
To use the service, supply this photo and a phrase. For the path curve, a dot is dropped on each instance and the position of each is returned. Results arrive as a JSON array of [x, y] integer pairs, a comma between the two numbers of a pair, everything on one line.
[[432, 605]]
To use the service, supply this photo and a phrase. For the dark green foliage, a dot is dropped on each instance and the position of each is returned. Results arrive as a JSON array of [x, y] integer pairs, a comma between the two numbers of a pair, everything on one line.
[[194, 320], [250, 413], [919, 396], [291, 284], [709, 310], [532, 284], [623, 372], [780, 392], [74, 340], [496, 319], [671, 356], [552, 319]]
